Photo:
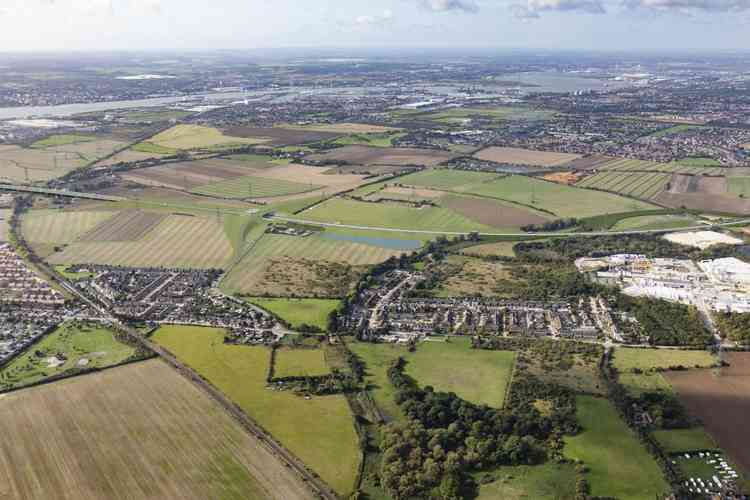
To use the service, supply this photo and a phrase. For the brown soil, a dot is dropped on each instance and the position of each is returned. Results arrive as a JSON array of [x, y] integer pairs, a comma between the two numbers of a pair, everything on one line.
[[680, 184], [568, 178], [704, 201], [281, 136], [525, 156], [491, 213], [589, 162], [129, 225], [363, 155], [722, 401], [191, 174]]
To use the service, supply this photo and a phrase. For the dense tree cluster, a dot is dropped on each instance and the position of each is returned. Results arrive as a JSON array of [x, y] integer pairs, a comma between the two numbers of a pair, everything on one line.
[[735, 326], [445, 438], [666, 323], [553, 225]]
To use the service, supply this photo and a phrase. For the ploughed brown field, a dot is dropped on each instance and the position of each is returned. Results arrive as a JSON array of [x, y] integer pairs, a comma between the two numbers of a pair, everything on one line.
[[281, 136], [525, 156], [368, 169], [722, 402], [128, 225], [589, 162], [491, 213], [704, 201], [568, 178], [140, 431], [364, 155], [191, 174], [680, 183]]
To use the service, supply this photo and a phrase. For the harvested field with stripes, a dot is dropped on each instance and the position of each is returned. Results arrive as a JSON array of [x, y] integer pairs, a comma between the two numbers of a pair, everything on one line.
[[190, 174], [57, 226], [140, 431], [638, 185], [273, 267], [128, 225], [518, 156], [177, 241], [630, 165], [680, 183]]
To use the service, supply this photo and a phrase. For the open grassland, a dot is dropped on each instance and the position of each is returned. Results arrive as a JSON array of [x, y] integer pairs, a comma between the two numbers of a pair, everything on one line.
[[500, 249], [59, 227], [721, 399], [153, 149], [19, 164], [638, 383], [191, 174], [739, 186], [391, 215], [469, 277], [674, 130], [254, 187], [378, 359], [298, 312], [300, 363], [177, 241], [136, 432], [638, 185], [61, 140], [280, 136], [266, 269], [190, 137], [698, 162], [650, 222], [364, 155], [523, 482], [518, 156], [619, 465], [343, 128], [320, 431], [677, 440], [626, 359], [476, 375], [71, 347], [561, 200], [447, 179]]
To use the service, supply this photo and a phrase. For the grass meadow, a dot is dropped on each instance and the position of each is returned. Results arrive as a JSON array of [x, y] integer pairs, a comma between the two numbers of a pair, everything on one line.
[[298, 312]]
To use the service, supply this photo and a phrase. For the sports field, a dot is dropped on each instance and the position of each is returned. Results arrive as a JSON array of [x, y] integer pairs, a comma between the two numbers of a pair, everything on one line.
[[300, 363], [177, 241], [72, 346], [320, 431], [391, 215], [297, 312], [626, 359], [285, 266], [57, 226], [638, 185], [561, 200], [476, 375], [252, 186], [188, 137], [619, 465], [135, 432]]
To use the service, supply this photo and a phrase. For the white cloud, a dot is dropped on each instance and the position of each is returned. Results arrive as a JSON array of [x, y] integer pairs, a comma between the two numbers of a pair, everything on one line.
[[687, 6], [375, 20], [450, 5], [532, 9]]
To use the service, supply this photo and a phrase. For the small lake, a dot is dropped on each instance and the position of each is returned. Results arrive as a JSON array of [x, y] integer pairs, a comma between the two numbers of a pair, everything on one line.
[[390, 243]]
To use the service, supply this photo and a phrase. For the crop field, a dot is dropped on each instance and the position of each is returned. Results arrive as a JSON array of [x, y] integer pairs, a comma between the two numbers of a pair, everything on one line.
[[648, 222], [62, 140], [188, 175], [638, 185], [320, 430], [447, 179], [70, 347], [177, 241], [619, 465], [558, 199], [721, 399], [149, 434], [286, 266], [631, 165], [698, 162], [343, 128], [677, 440], [519, 156], [708, 202], [364, 155], [467, 368], [281, 136], [379, 140], [130, 155], [300, 363], [254, 187], [128, 225], [191, 137], [681, 183], [57, 226], [390, 215], [493, 213], [19, 164], [298, 312], [739, 186], [523, 482], [591, 162], [626, 359]]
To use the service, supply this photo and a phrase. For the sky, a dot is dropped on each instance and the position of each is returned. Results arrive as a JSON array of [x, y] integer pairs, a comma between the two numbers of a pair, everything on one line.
[[81, 25]]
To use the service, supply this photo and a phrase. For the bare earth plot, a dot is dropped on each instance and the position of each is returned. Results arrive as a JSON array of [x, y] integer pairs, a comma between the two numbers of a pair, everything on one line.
[[136, 432], [721, 399], [189, 175], [363, 155], [128, 225], [704, 201], [525, 157], [177, 241], [491, 212]]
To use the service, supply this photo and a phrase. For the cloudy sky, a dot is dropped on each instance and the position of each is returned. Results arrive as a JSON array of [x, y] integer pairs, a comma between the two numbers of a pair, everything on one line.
[[199, 24]]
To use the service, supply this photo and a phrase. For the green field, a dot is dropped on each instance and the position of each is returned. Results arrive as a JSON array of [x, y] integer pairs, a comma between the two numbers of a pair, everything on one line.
[[739, 186], [73, 346], [619, 466], [447, 179], [151, 148], [155, 116], [298, 312], [561, 200], [496, 114], [540, 482], [651, 222], [638, 383], [674, 130], [476, 375], [379, 140], [377, 359], [62, 140], [300, 363], [677, 440], [58, 227], [626, 359], [250, 186], [699, 162], [190, 137], [72, 276], [320, 431], [680, 167], [177, 241], [638, 185], [391, 215]]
